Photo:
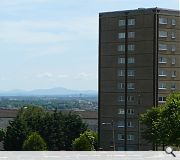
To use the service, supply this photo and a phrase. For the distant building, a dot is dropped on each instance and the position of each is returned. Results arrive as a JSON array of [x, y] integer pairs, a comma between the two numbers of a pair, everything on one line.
[[139, 65]]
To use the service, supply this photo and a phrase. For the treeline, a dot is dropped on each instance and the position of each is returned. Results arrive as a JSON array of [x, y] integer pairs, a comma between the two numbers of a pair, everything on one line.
[[36, 129], [47, 103]]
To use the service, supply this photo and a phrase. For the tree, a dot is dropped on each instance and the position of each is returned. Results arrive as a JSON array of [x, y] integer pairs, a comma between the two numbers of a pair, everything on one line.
[[2, 134], [163, 123], [16, 133], [53, 132], [171, 119], [86, 142], [34, 143], [27, 121], [151, 119], [58, 130], [73, 127]]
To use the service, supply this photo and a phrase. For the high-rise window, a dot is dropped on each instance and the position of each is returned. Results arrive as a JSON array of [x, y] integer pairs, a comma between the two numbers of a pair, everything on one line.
[[173, 74], [130, 137], [131, 60], [162, 85], [120, 73], [163, 20], [130, 111], [131, 22], [121, 60], [161, 99], [131, 86], [131, 47], [122, 22], [163, 34], [131, 34], [162, 60], [121, 85], [131, 73], [121, 98], [163, 47], [120, 124], [121, 35], [173, 48], [173, 60], [129, 124], [173, 35], [173, 22], [120, 136], [121, 48], [130, 98], [162, 73], [120, 111], [173, 86]]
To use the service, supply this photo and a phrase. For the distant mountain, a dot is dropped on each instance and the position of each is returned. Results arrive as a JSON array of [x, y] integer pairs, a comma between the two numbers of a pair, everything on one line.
[[47, 92]]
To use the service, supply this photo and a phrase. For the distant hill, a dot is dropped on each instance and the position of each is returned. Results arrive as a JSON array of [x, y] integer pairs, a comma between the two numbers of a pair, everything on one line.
[[47, 92]]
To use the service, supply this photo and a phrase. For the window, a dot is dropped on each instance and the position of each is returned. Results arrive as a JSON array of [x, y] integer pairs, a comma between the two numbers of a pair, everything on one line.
[[173, 86], [131, 73], [120, 73], [131, 47], [130, 98], [120, 136], [162, 85], [121, 99], [130, 137], [162, 60], [173, 48], [122, 22], [120, 148], [162, 99], [173, 35], [173, 22], [121, 60], [131, 34], [163, 20], [162, 47], [131, 60], [131, 86], [173, 60], [121, 48], [129, 124], [130, 111], [121, 111], [121, 35], [120, 124], [121, 85], [163, 34], [173, 74], [162, 73], [131, 22]]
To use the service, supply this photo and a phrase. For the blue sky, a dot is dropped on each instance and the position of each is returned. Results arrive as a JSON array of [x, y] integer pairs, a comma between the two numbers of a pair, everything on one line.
[[50, 43]]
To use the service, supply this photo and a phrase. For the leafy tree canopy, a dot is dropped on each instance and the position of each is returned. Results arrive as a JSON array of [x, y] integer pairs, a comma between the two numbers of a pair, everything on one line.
[[86, 142], [163, 123], [58, 130], [34, 143]]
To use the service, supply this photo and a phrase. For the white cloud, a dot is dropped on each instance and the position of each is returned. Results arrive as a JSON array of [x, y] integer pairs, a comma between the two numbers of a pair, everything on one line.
[[82, 75], [63, 76], [45, 75]]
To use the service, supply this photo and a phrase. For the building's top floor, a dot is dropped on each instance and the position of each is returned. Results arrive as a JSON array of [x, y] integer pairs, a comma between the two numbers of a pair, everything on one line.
[[141, 11]]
